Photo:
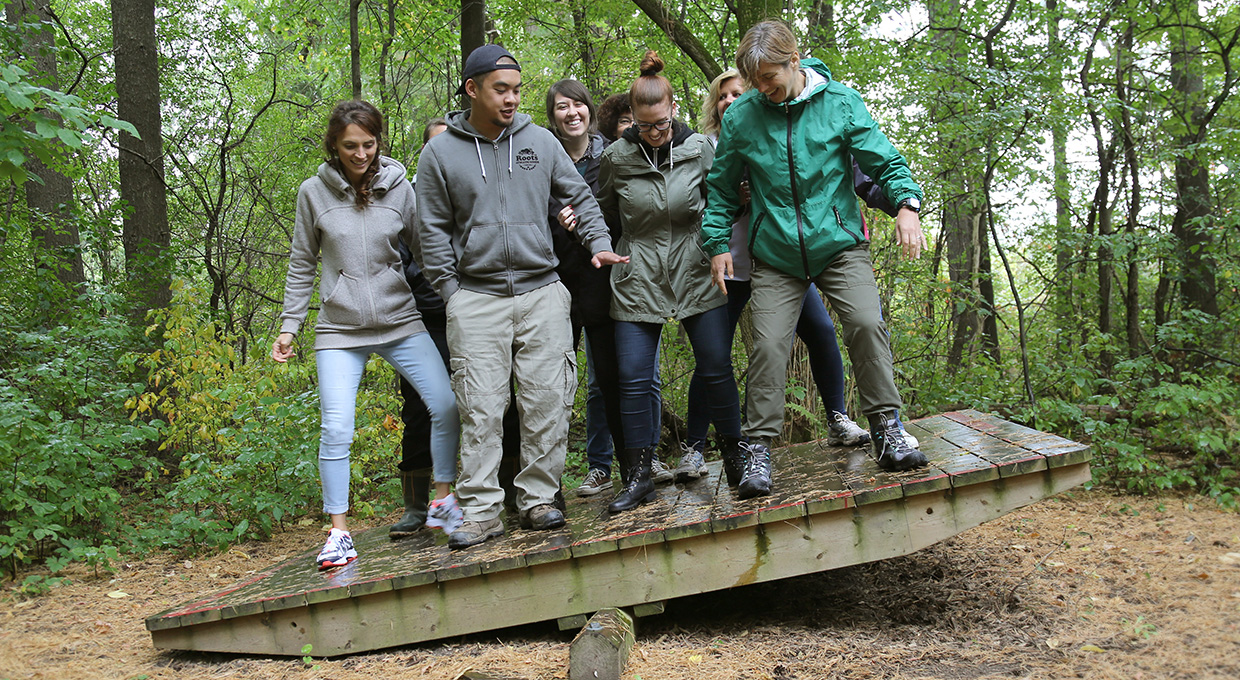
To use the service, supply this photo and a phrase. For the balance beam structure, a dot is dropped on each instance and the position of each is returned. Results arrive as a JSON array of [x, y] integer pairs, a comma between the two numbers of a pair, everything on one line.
[[831, 507]]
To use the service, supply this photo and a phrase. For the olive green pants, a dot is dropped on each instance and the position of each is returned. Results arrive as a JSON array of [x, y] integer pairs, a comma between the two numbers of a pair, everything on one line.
[[848, 284]]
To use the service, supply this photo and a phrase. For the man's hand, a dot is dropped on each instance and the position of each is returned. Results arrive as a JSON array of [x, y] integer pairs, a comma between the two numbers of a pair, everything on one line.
[[909, 234], [605, 257], [720, 269]]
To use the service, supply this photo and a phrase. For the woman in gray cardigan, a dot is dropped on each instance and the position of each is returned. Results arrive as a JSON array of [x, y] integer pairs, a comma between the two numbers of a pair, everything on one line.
[[352, 214]]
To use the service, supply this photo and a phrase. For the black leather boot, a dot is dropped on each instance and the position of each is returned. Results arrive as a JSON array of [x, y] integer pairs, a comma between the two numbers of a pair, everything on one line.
[[415, 488], [732, 450], [890, 447], [640, 487]]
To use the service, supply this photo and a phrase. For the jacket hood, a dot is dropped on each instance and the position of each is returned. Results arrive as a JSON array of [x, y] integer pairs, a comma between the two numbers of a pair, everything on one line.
[[390, 173], [458, 123]]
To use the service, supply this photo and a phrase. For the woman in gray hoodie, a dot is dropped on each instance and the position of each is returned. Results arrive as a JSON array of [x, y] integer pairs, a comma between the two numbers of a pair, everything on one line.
[[352, 214]]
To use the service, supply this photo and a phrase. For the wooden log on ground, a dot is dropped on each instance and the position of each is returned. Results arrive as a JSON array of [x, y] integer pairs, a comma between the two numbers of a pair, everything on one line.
[[601, 649]]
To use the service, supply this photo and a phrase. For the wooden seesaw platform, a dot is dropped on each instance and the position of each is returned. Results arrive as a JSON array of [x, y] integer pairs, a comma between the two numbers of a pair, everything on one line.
[[831, 507]]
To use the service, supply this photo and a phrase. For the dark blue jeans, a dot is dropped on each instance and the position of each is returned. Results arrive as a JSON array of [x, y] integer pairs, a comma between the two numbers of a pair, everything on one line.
[[637, 350], [598, 430], [816, 330]]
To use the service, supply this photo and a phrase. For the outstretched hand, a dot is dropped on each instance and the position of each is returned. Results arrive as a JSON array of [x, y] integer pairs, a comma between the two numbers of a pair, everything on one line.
[[605, 257], [909, 234], [721, 271]]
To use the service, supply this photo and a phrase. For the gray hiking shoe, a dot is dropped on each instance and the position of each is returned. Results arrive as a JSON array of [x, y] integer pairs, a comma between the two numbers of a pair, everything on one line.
[[659, 474], [692, 463], [842, 431], [540, 517], [473, 533]]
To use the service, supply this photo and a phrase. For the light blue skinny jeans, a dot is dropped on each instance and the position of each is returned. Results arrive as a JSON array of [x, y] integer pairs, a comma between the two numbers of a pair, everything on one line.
[[340, 373]]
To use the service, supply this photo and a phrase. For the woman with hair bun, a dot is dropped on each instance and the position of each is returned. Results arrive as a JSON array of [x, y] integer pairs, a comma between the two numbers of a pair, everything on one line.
[[652, 191], [352, 214]]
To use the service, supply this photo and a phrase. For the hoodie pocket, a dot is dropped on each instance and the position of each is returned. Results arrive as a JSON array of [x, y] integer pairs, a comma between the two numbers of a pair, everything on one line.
[[394, 296], [340, 307], [498, 249]]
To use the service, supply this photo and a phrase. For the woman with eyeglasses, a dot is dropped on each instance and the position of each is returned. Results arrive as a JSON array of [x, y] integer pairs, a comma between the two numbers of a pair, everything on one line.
[[652, 191]]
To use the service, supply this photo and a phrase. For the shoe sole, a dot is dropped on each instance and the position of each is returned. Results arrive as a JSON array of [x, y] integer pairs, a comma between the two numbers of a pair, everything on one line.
[[831, 441], [526, 524], [683, 476], [481, 539], [583, 492], [903, 467], [403, 533], [641, 502], [324, 566], [750, 492]]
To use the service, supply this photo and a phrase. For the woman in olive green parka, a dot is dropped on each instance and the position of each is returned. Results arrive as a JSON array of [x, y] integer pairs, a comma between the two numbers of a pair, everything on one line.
[[652, 192]]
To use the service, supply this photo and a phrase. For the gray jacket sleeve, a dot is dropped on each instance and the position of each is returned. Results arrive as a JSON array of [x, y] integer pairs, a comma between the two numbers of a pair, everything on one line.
[[567, 186], [303, 264], [436, 223]]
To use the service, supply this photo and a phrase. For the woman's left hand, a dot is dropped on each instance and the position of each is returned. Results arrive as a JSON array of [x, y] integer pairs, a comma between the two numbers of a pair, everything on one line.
[[282, 348], [568, 218], [909, 234]]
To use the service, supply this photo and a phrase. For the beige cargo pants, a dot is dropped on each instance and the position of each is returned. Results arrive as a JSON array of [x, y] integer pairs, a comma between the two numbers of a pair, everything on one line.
[[494, 339]]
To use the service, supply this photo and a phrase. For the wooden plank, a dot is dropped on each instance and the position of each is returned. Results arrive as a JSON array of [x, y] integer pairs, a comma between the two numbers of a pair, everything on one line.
[[1011, 460], [961, 467], [649, 608], [625, 578], [574, 622]]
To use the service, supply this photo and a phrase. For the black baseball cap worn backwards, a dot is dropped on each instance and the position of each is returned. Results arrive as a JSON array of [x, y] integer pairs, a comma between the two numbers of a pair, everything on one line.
[[484, 60]]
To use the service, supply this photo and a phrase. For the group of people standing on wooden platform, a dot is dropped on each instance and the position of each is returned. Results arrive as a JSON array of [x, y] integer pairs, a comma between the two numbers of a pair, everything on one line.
[[519, 239]]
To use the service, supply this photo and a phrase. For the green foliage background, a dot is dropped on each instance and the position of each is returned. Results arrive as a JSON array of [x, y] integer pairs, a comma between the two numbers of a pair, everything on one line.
[[112, 444]]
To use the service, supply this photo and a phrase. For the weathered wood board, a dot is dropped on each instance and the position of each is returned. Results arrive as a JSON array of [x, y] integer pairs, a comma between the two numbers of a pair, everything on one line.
[[831, 507]]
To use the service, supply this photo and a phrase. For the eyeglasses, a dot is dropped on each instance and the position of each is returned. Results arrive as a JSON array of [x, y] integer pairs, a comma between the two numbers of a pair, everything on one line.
[[660, 126]]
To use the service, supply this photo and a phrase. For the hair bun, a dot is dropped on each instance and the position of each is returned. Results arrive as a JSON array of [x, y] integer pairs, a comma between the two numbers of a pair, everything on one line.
[[652, 64]]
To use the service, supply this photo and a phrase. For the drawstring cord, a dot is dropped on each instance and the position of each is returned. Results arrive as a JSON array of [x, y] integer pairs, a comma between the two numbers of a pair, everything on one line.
[[478, 148]]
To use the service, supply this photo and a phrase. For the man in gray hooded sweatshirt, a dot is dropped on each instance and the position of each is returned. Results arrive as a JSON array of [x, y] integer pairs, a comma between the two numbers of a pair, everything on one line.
[[485, 245]]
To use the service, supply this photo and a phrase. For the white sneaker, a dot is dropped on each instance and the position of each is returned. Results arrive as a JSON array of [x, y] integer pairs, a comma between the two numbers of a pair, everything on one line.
[[842, 431], [338, 551], [445, 514]]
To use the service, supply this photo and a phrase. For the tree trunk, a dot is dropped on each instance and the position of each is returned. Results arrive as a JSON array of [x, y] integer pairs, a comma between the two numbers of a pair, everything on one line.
[[355, 50], [145, 230], [1132, 287], [822, 28], [585, 51], [53, 229], [387, 98], [1192, 225], [473, 33], [682, 36], [1064, 236], [964, 213], [750, 12]]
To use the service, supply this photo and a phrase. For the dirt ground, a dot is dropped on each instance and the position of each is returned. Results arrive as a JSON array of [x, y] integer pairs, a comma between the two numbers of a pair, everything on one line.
[[1085, 585]]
